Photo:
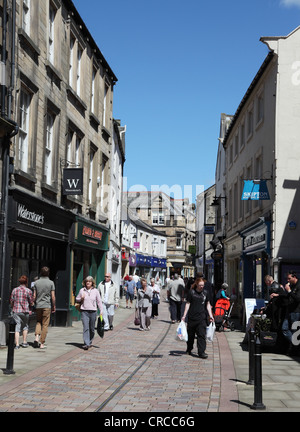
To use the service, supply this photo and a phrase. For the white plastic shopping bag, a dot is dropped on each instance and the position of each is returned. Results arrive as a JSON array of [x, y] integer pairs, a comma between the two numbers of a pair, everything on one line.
[[210, 331], [181, 332]]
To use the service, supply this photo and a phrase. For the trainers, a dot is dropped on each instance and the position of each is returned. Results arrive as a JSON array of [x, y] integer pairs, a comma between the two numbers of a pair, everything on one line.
[[17, 347], [25, 345]]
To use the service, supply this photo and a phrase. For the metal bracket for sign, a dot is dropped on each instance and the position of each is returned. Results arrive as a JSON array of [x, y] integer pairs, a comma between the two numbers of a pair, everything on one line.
[[66, 163]]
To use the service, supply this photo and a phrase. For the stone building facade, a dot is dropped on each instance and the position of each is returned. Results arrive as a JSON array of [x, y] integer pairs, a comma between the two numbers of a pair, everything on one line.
[[60, 161]]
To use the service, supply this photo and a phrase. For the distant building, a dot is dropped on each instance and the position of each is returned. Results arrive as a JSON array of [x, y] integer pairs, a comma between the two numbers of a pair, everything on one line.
[[144, 249], [173, 217]]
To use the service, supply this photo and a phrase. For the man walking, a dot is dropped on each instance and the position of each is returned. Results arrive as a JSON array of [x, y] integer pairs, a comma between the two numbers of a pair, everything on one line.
[[175, 295], [44, 296], [110, 298], [130, 288]]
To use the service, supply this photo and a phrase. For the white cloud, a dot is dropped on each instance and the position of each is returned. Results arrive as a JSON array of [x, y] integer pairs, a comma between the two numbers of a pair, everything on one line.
[[290, 3]]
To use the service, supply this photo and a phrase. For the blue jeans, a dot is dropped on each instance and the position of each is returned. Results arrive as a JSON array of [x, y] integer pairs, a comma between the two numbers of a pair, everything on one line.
[[88, 319], [287, 325]]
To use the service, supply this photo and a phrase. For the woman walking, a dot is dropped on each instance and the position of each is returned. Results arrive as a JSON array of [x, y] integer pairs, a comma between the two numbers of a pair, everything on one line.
[[145, 305], [156, 298], [197, 307], [89, 298]]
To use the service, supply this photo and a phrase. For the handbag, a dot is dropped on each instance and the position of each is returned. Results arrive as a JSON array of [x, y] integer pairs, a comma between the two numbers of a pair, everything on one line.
[[137, 318], [78, 306], [100, 326], [155, 299]]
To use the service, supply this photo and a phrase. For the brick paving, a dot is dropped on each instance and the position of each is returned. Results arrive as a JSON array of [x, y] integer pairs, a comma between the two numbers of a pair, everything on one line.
[[82, 381]]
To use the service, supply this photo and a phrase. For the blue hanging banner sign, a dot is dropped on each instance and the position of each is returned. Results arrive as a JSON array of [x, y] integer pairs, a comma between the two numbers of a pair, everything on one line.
[[255, 191]]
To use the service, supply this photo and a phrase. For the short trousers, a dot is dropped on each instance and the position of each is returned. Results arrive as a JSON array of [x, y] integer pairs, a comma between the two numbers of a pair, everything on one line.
[[22, 320], [129, 296]]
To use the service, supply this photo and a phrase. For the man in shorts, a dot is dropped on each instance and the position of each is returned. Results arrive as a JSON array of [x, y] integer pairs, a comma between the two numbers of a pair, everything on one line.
[[130, 288]]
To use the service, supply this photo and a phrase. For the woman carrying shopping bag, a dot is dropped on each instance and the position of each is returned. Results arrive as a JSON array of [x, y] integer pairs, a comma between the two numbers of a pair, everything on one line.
[[197, 307], [145, 306]]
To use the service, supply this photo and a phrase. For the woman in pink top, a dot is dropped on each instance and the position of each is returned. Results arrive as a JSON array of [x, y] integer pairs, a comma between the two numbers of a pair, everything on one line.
[[90, 299]]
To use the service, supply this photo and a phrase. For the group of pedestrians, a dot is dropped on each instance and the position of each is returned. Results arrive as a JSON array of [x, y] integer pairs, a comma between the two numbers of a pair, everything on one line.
[[284, 308], [188, 303], [23, 299]]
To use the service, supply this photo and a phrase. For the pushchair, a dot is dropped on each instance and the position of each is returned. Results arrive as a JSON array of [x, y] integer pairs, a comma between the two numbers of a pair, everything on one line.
[[223, 309]]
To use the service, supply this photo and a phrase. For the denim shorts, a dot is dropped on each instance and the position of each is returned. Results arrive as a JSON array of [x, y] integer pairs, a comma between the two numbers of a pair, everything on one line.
[[129, 296], [22, 320]]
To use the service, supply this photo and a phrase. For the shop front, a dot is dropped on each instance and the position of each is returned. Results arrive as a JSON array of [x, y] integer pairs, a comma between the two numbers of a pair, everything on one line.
[[256, 258], [37, 236], [89, 244], [233, 270], [159, 268], [143, 266]]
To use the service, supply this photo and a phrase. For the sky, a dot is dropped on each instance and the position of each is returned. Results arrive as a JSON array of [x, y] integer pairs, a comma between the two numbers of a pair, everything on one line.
[[179, 66]]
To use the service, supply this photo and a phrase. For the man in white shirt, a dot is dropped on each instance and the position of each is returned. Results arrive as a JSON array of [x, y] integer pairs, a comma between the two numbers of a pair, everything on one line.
[[110, 298]]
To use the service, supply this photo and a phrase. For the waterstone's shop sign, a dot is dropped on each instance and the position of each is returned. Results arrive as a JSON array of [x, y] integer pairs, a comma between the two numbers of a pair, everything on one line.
[[24, 214]]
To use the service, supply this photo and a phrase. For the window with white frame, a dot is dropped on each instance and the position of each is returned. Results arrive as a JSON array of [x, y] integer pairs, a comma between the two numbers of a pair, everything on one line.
[[236, 145], [49, 147], [78, 71], [250, 122], [260, 108], [71, 59], [74, 148], [26, 16], [242, 136], [91, 174], [158, 218], [104, 183], [52, 13], [105, 102], [162, 247], [93, 90], [25, 101], [178, 240]]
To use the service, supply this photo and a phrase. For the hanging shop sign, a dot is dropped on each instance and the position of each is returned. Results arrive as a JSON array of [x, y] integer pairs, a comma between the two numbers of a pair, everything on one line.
[[255, 190], [73, 181]]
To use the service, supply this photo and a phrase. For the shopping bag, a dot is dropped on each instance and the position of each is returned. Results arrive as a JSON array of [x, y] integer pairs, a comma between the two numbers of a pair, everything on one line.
[[137, 317], [100, 326], [181, 332], [210, 331]]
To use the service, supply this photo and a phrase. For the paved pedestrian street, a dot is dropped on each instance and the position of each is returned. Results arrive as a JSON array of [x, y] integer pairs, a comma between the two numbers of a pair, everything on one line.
[[133, 371], [128, 370]]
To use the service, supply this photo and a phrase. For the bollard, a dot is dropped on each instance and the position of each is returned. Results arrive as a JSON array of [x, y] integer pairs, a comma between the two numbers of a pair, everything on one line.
[[258, 404], [11, 348], [251, 347]]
